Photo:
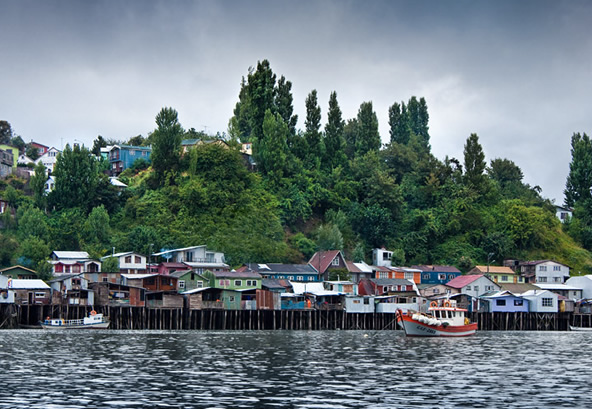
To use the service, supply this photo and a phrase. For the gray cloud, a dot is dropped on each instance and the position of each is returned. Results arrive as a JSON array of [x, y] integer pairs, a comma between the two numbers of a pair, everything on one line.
[[519, 74]]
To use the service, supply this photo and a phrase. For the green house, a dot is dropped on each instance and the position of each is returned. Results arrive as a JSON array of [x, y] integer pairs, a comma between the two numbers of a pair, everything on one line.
[[233, 280], [19, 272], [189, 280]]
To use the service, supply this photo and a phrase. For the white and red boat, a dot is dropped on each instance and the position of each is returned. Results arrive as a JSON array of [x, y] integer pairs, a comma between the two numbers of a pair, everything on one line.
[[444, 319]]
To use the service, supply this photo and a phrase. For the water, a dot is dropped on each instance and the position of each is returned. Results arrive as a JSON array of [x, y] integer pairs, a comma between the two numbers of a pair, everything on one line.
[[293, 369]]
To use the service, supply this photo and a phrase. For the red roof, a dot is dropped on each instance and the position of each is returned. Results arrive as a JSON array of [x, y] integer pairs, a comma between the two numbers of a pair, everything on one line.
[[352, 267], [322, 259], [463, 281]]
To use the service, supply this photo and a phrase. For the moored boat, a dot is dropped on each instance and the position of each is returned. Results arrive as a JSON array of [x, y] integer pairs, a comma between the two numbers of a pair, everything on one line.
[[93, 321], [444, 319], [586, 329]]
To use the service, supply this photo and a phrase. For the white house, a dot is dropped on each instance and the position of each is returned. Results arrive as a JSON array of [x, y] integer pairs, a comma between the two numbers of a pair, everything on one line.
[[544, 272], [130, 262], [66, 262], [474, 285], [563, 213], [584, 283], [382, 257], [359, 304], [198, 258], [50, 183], [542, 301], [49, 159], [24, 159], [568, 291]]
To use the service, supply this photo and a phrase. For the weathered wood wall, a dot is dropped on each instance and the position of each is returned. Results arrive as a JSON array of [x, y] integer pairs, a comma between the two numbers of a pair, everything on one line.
[[15, 316]]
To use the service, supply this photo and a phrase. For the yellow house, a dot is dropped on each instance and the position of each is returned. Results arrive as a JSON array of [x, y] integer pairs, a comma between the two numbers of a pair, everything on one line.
[[498, 274]]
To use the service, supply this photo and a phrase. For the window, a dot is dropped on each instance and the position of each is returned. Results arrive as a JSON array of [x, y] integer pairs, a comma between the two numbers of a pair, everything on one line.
[[189, 255], [476, 288], [164, 281], [557, 279], [469, 288], [104, 279], [231, 298], [501, 303], [128, 259], [451, 277], [39, 295], [542, 268], [542, 279], [181, 284], [76, 281], [518, 303], [426, 276], [299, 278], [366, 301], [252, 283], [224, 283], [441, 276], [291, 278], [556, 268], [356, 301], [237, 283], [547, 302], [336, 261], [409, 276], [210, 257], [386, 255], [504, 278], [137, 260], [435, 291]]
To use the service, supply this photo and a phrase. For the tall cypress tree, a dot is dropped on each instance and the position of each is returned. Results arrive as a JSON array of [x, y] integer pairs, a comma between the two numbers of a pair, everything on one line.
[[166, 143], [474, 162], [262, 91], [284, 103], [368, 137], [334, 143], [578, 186], [313, 137]]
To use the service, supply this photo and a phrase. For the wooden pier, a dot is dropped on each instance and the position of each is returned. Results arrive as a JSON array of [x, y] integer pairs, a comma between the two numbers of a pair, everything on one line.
[[132, 318]]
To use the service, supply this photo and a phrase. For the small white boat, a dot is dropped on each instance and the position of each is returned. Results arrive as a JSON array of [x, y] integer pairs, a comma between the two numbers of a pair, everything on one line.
[[586, 329], [93, 321], [443, 320]]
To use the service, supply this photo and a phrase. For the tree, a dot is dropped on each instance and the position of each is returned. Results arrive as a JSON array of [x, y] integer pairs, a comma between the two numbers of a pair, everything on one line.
[[111, 264], [474, 163], [76, 179], [37, 183], [96, 227], [5, 132], [367, 137], [329, 237], [334, 143], [505, 171], [18, 142], [97, 145], [32, 222], [271, 150], [166, 142], [398, 121], [284, 103], [33, 251], [313, 137], [261, 96], [578, 187], [31, 151]]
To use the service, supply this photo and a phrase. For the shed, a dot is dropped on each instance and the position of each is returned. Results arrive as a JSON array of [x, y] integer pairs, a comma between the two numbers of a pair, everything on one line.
[[359, 304], [542, 301], [505, 301]]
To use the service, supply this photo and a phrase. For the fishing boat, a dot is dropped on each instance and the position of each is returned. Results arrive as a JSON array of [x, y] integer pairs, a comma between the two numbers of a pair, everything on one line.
[[93, 321], [444, 319], [587, 329]]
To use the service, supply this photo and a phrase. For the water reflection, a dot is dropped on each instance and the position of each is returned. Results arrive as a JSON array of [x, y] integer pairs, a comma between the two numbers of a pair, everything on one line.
[[298, 369]]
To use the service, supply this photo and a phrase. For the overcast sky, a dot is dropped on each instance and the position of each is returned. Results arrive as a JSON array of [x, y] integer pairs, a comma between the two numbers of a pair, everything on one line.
[[517, 73]]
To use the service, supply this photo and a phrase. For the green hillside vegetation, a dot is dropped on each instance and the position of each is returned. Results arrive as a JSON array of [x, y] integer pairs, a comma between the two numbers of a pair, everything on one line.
[[335, 187]]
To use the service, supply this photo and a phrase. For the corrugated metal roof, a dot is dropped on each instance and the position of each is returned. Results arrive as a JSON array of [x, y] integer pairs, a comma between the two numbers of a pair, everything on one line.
[[79, 255], [18, 284], [463, 281]]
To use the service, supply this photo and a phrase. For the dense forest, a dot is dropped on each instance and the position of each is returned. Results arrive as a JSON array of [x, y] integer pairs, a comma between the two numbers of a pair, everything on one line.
[[330, 187]]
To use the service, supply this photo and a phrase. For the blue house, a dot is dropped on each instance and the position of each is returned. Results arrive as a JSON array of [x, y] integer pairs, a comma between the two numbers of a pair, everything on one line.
[[437, 274], [121, 157], [292, 272], [505, 301]]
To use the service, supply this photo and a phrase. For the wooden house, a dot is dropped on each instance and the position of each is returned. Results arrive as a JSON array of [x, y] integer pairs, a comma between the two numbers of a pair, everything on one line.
[[278, 271], [498, 274], [326, 262], [233, 280], [189, 280], [164, 299], [542, 301], [114, 277], [111, 294], [584, 283], [19, 272], [268, 300], [71, 289], [198, 258], [344, 287], [130, 262], [433, 290], [151, 282], [387, 286], [359, 304], [193, 298], [359, 271], [505, 301], [437, 274], [544, 272], [167, 268], [66, 262], [30, 291]]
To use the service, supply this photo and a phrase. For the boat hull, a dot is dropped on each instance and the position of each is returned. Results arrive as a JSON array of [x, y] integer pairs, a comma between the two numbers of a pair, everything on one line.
[[100, 325], [413, 328], [583, 329]]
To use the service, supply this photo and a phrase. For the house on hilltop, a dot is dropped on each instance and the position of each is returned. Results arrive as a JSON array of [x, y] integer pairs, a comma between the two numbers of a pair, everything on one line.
[[327, 261], [121, 157]]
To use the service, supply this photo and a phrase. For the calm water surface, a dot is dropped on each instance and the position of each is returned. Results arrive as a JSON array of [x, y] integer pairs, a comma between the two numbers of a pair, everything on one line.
[[293, 369]]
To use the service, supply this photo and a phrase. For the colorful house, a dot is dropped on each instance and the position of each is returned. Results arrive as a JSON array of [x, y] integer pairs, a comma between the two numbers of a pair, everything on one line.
[[505, 301], [121, 157], [150, 282], [474, 285], [113, 294], [73, 262], [292, 272], [498, 274], [233, 280], [436, 274], [325, 262], [189, 280], [19, 272], [198, 258], [71, 289], [12, 153], [397, 273], [30, 291]]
